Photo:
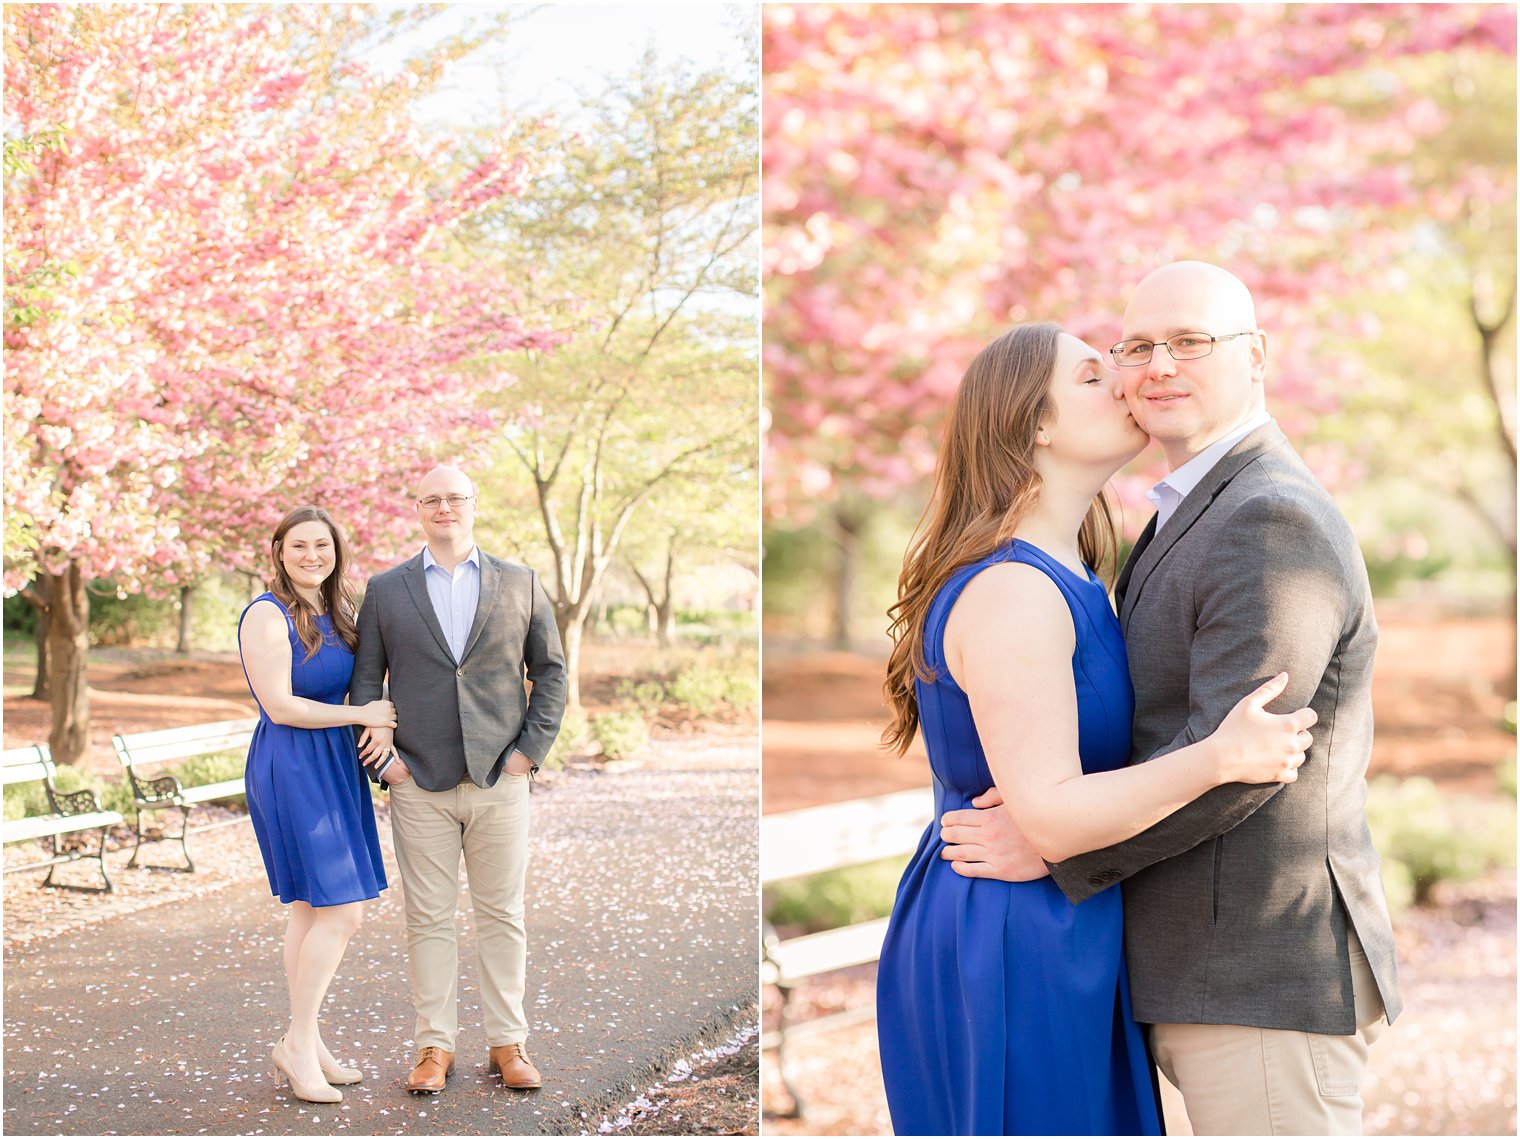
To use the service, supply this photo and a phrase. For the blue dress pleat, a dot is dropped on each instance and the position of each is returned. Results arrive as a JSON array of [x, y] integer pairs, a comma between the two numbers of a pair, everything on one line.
[[1002, 1008], [308, 797]]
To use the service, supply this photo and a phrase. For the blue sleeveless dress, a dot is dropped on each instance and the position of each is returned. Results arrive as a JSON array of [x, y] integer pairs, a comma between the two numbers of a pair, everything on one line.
[[307, 794], [1002, 1008]]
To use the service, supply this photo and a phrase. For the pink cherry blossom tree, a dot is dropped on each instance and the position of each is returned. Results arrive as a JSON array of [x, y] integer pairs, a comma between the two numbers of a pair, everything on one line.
[[223, 298], [934, 173]]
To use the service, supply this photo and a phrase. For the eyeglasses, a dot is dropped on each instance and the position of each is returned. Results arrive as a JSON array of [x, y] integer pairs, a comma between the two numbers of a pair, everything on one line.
[[455, 501], [1183, 346]]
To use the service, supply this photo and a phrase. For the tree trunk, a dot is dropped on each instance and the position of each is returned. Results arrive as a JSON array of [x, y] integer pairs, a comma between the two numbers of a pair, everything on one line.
[[1493, 371], [570, 636], [666, 608], [186, 600], [597, 627], [846, 575], [42, 688], [37, 595], [68, 648]]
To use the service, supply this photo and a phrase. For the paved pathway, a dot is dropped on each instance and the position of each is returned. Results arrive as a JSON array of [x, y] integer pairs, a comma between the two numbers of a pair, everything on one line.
[[642, 911]]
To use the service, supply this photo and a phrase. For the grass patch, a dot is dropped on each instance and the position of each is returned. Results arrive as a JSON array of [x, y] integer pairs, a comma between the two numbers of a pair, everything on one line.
[[836, 897]]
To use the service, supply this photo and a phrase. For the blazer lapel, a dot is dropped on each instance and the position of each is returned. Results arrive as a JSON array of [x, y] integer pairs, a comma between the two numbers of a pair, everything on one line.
[[1121, 587], [1143, 560], [416, 584], [490, 579]]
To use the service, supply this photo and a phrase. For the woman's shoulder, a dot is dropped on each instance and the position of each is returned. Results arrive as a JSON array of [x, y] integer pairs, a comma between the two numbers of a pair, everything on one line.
[[962, 576], [264, 607], [1015, 586], [947, 596]]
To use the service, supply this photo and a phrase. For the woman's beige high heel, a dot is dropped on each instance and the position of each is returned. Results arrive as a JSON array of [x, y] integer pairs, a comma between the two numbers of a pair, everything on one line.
[[324, 1094], [338, 1074]]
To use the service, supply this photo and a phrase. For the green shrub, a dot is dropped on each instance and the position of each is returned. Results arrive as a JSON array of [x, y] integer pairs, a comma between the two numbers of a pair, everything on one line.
[[646, 696], [1437, 837], [1506, 776], [574, 733], [836, 897], [700, 688], [205, 769], [25, 799], [130, 618], [20, 618], [621, 734], [743, 690], [1398, 886], [116, 795], [625, 619]]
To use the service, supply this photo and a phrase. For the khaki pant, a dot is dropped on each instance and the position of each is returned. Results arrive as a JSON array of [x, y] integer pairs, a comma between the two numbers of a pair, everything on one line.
[[489, 826], [1237, 1080]]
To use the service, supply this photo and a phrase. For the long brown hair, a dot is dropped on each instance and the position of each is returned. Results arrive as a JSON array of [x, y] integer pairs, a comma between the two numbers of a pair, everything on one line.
[[337, 591], [985, 482]]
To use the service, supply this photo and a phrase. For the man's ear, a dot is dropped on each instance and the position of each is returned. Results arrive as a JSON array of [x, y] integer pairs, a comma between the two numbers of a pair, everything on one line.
[[1259, 357]]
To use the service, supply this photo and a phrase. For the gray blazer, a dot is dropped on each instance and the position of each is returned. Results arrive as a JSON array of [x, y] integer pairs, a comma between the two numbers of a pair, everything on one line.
[[458, 719], [1236, 906]]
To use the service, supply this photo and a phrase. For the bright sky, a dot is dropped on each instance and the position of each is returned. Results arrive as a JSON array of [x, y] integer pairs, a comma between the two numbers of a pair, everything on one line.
[[561, 50]]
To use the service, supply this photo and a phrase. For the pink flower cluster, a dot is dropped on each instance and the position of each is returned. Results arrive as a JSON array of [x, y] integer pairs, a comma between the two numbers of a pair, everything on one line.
[[232, 296], [935, 173]]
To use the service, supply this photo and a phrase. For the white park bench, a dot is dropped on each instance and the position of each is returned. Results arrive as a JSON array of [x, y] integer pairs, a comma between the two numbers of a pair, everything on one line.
[[72, 813], [144, 750], [794, 844]]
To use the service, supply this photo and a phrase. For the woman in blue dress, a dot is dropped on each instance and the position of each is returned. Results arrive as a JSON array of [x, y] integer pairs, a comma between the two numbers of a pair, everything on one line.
[[1004, 1009], [308, 798]]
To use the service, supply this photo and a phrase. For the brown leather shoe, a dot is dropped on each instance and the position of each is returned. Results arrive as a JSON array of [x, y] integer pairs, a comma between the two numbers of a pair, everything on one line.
[[517, 1071], [432, 1071]]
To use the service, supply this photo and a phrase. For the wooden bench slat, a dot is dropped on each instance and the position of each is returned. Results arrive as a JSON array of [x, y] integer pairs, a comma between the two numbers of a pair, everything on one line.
[[226, 789], [25, 773], [25, 764], [815, 839], [40, 826], [814, 953], [148, 748], [192, 733]]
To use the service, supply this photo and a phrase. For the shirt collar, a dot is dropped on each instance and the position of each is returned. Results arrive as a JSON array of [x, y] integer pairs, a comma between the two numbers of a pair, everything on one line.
[[428, 561], [1191, 473]]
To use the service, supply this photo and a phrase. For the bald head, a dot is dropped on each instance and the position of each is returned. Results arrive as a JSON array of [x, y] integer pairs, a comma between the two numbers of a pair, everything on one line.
[[445, 480], [1201, 296]]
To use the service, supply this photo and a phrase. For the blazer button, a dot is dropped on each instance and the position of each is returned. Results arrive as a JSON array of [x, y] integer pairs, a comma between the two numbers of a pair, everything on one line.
[[459, 672], [1096, 879]]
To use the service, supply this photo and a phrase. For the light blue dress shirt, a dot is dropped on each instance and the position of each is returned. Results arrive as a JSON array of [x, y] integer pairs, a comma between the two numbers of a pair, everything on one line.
[[1167, 495], [455, 597]]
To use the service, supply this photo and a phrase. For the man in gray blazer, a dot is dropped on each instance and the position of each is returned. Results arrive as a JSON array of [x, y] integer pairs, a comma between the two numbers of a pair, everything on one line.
[[457, 632], [1257, 935]]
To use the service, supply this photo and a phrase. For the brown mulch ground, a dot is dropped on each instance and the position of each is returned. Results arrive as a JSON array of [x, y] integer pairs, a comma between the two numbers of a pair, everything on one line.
[[1446, 1068], [1435, 693]]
